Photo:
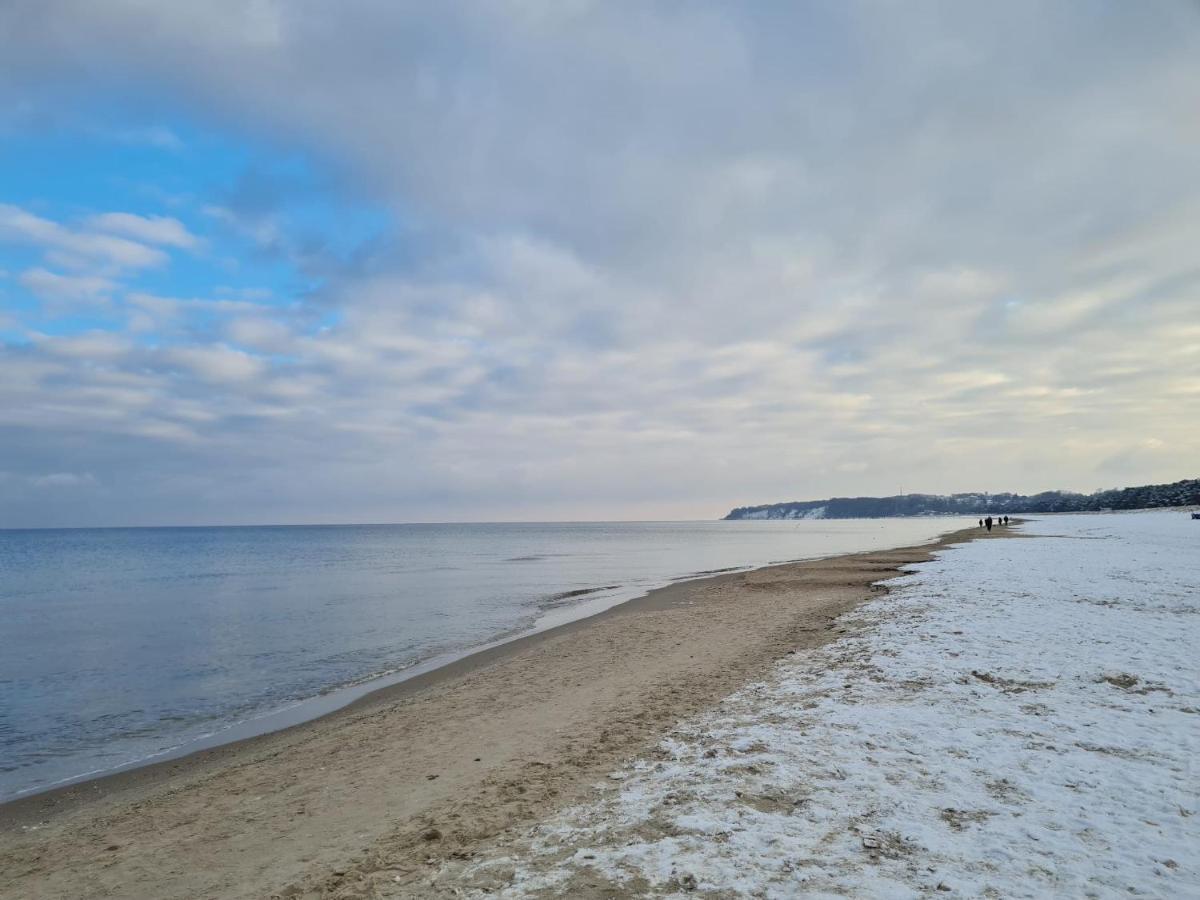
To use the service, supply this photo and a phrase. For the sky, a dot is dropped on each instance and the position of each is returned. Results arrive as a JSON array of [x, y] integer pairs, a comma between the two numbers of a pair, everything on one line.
[[374, 261]]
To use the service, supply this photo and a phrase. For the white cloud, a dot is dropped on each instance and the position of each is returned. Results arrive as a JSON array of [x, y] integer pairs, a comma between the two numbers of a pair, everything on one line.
[[95, 346], [660, 259], [75, 248], [174, 305], [263, 333], [217, 363], [161, 230], [55, 286]]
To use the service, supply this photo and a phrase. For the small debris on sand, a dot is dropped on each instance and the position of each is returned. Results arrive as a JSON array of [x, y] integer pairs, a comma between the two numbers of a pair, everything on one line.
[[1121, 680]]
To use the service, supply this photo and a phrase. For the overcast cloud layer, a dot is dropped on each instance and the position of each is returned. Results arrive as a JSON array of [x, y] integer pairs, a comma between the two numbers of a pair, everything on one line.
[[641, 259]]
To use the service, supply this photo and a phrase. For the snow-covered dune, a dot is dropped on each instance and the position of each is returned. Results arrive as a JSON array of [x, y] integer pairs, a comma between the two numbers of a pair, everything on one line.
[[1018, 718]]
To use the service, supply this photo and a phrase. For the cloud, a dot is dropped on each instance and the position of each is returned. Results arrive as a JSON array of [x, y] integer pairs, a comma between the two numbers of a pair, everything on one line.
[[54, 286], [92, 347], [167, 306], [161, 230], [263, 229], [652, 260], [263, 333], [217, 363], [75, 248]]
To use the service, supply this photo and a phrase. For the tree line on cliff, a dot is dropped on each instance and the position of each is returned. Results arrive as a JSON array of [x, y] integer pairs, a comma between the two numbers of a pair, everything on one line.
[[1150, 496]]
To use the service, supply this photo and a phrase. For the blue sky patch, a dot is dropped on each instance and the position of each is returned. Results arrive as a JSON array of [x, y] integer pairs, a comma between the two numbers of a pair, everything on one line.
[[255, 225]]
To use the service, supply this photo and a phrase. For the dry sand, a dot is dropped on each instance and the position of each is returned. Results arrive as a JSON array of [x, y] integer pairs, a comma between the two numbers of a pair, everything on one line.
[[365, 802]]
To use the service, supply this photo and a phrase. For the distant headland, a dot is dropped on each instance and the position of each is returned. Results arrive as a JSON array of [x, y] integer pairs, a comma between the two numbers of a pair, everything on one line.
[[1150, 496]]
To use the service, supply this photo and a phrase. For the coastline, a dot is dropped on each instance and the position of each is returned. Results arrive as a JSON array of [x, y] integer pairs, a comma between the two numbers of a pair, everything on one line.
[[370, 777], [423, 675], [192, 684], [555, 611], [1013, 719]]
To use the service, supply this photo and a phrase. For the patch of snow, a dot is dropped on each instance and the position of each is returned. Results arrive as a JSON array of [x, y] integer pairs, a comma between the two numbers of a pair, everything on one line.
[[1018, 718], [817, 512]]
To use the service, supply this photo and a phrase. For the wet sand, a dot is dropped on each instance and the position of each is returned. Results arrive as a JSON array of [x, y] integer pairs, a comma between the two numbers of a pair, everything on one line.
[[365, 801]]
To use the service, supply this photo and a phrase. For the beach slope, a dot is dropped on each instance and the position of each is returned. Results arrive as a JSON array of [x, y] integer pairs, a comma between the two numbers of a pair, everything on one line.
[[1016, 719], [373, 798]]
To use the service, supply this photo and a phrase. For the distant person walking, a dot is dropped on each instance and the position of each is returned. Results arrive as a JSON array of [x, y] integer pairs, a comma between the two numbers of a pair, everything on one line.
[[981, 523], [988, 523]]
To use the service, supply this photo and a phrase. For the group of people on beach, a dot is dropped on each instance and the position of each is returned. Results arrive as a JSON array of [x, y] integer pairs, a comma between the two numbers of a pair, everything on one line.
[[989, 522]]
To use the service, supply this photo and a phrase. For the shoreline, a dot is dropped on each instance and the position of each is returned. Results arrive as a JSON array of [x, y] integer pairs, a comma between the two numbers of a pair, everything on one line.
[[333, 700], [583, 694], [427, 673], [1009, 702]]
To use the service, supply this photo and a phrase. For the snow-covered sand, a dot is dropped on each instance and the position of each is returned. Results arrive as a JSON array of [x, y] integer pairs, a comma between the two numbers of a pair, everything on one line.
[[1019, 718]]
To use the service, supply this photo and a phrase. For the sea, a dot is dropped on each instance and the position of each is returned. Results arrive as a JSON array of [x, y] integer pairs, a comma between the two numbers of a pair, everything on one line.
[[123, 646]]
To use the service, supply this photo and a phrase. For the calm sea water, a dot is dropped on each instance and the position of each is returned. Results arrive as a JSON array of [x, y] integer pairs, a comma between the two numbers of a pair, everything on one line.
[[122, 645]]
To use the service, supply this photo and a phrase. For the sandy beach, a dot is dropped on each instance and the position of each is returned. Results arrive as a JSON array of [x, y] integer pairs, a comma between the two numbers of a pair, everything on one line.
[[368, 800], [518, 450], [1013, 719]]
